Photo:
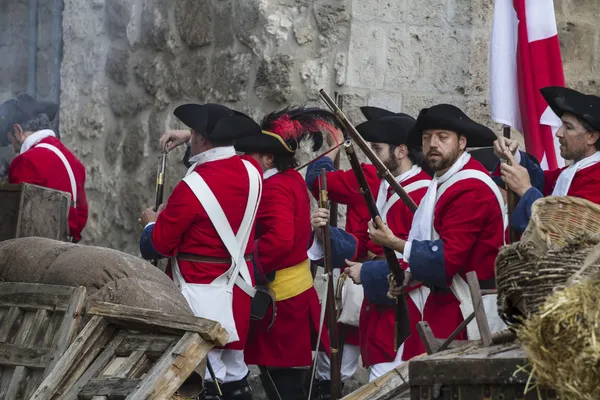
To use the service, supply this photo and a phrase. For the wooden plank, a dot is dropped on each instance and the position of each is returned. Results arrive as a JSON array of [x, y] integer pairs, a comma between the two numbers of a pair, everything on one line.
[[17, 383], [79, 356], [12, 355], [40, 324], [117, 387], [480, 317], [10, 197], [43, 212], [25, 328], [50, 337], [173, 368], [426, 334], [154, 345], [446, 343], [69, 326], [162, 322], [32, 296], [94, 369], [8, 324], [132, 363]]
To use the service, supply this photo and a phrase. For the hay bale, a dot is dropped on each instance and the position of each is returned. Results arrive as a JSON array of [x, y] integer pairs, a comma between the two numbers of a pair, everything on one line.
[[526, 276], [561, 340], [108, 275]]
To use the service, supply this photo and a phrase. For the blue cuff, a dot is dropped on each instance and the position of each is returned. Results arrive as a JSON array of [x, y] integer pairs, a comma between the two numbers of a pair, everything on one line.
[[536, 173], [313, 171], [427, 263], [373, 276], [146, 246], [522, 213], [343, 246]]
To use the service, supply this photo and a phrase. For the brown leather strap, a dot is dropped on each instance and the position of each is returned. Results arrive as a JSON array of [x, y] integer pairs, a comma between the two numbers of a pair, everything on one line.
[[205, 259]]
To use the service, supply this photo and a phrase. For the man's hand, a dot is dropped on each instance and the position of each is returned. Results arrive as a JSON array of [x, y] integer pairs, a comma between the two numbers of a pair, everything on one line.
[[381, 235], [318, 220], [174, 138], [334, 137], [515, 176], [503, 147], [353, 271], [149, 215], [396, 291]]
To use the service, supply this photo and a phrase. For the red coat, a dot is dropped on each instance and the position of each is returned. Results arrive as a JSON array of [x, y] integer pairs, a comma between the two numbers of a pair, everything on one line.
[[40, 166], [585, 184], [469, 221], [377, 321], [184, 226], [283, 231]]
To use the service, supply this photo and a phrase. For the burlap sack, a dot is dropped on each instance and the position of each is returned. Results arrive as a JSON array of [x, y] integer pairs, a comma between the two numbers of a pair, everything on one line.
[[108, 275]]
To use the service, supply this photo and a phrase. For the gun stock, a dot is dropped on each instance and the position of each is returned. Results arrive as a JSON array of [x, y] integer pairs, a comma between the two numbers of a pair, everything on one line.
[[364, 146], [402, 320], [160, 187]]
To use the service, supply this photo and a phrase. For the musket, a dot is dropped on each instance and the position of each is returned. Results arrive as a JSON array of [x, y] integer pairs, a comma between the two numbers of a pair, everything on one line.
[[364, 146], [333, 214], [334, 359], [402, 321], [511, 197], [318, 157], [160, 186]]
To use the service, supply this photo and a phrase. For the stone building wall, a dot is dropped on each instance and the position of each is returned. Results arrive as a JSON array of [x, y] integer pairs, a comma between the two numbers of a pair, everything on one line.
[[128, 63]]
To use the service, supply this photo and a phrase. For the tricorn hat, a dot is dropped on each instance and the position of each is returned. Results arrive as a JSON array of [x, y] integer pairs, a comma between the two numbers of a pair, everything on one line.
[[22, 109], [449, 117], [373, 113], [391, 130], [204, 119], [564, 100]]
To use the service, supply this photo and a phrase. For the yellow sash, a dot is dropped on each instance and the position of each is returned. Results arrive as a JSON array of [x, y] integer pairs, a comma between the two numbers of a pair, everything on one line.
[[292, 281]]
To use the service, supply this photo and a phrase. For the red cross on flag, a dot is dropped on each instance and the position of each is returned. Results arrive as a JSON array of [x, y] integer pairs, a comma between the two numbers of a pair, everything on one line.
[[525, 57]]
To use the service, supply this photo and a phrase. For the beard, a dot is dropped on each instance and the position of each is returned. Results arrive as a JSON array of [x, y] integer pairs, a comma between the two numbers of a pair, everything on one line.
[[391, 162], [440, 162]]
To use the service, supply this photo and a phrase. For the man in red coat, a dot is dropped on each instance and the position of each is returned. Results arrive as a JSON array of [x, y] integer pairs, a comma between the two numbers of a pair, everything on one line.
[[578, 137], [207, 230], [279, 254], [42, 159], [459, 225], [388, 137]]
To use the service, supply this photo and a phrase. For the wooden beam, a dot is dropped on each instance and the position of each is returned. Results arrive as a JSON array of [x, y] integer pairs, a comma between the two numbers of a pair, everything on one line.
[[33, 296], [479, 309], [116, 387], [12, 355], [426, 334], [160, 321]]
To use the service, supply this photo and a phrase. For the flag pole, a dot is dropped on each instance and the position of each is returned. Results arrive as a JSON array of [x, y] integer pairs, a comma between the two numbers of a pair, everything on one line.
[[511, 196]]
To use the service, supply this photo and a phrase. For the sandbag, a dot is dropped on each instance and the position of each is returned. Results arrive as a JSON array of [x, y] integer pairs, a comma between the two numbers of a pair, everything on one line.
[[108, 275]]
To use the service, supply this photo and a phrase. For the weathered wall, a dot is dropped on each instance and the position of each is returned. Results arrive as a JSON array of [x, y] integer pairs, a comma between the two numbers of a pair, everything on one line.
[[128, 63]]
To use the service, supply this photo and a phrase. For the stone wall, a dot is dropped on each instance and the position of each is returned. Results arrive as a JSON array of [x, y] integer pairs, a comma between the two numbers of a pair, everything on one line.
[[129, 63]]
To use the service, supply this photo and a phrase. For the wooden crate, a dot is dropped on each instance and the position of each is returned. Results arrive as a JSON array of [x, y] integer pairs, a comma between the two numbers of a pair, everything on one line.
[[474, 372], [131, 353], [37, 324], [29, 210]]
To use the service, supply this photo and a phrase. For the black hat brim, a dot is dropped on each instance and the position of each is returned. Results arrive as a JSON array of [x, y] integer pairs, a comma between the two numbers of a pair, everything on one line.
[[564, 100], [261, 143], [451, 118], [234, 128], [202, 118], [374, 113], [390, 130]]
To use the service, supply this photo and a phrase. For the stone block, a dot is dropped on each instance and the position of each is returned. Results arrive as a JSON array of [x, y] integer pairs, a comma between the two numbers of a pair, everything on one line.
[[274, 78], [117, 62], [333, 20], [230, 75], [340, 68], [112, 144], [159, 121], [155, 74], [133, 144], [388, 100], [367, 56], [304, 31], [589, 85], [127, 101], [117, 17], [471, 13], [223, 30], [134, 197], [431, 59], [315, 74], [352, 104], [426, 13], [379, 10], [247, 15], [155, 29], [578, 47], [188, 76], [194, 21], [576, 10]]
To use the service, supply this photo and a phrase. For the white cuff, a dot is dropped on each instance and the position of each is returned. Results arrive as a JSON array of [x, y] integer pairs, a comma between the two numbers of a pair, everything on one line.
[[407, 249], [518, 157], [148, 224], [316, 251]]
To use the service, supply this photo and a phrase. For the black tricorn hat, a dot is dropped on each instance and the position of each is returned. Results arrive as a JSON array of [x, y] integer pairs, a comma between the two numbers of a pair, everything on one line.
[[449, 117], [564, 100], [372, 113], [22, 109], [391, 130], [205, 119], [264, 142]]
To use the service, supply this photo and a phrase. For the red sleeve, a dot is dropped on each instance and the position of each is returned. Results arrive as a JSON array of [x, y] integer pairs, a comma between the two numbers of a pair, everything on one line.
[[342, 186], [81, 209], [275, 221], [179, 214], [550, 178], [463, 215], [23, 170]]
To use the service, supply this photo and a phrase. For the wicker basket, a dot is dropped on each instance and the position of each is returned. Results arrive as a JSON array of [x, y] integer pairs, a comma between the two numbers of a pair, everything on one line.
[[555, 219], [525, 277]]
